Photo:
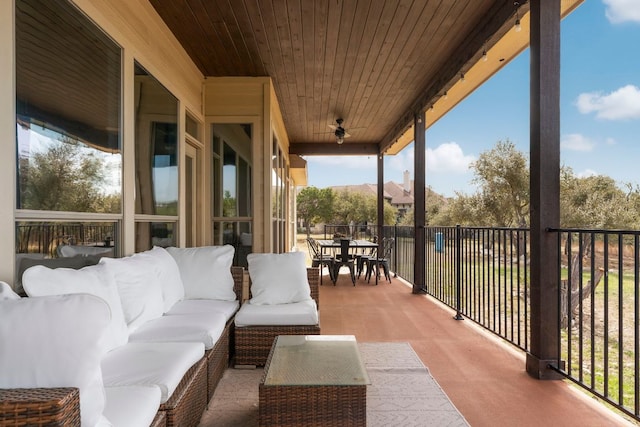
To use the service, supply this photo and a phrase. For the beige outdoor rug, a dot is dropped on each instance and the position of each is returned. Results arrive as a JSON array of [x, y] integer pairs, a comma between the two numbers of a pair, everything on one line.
[[402, 392]]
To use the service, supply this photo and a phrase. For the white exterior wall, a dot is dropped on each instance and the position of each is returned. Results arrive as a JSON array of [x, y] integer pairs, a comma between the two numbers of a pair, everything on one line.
[[7, 141]]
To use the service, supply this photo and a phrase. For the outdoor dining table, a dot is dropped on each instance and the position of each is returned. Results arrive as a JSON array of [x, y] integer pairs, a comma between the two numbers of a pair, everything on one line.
[[353, 245]]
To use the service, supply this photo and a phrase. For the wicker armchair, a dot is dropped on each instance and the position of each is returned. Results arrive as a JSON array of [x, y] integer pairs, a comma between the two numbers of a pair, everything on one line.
[[253, 343]]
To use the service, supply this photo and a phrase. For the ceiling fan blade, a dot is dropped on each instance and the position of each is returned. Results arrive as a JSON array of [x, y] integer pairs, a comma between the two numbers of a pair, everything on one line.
[[346, 135], [333, 127]]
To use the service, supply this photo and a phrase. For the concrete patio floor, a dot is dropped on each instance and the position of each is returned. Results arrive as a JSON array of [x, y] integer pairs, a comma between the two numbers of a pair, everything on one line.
[[484, 377]]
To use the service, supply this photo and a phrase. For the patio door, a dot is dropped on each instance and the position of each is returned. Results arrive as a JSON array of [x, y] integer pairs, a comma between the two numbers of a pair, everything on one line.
[[193, 203]]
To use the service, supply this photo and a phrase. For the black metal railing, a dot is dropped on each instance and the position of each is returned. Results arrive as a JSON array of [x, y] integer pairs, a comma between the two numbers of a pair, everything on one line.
[[483, 273], [599, 313]]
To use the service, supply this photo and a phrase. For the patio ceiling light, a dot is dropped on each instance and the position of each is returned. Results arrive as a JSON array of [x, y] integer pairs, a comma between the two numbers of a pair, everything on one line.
[[518, 26], [339, 131]]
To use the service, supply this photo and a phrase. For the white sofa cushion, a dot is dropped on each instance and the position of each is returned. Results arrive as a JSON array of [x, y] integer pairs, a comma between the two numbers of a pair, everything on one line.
[[278, 278], [6, 292], [132, 406], [206, 271], [160, 364], [55, 341], [198, 327], [299, 313], [170, 279], [192, 306], [138, 282], [96, 280]]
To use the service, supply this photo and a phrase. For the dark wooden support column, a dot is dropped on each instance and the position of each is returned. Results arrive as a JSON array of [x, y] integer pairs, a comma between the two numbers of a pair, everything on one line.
[[545, 186], [419, 203], [380, 199]]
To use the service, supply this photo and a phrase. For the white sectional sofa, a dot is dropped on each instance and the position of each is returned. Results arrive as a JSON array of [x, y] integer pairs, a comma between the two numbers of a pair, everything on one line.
[[138, 341]]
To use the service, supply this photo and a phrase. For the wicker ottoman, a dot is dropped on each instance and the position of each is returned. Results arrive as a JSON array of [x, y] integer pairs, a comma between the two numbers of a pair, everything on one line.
[[315, 380]]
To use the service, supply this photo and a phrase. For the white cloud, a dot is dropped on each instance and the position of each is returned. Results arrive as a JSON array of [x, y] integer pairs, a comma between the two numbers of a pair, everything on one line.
[[587, 173], [403, 161], [623, 104], [577, 142], [619, 11], [610, 141], [448, 157]]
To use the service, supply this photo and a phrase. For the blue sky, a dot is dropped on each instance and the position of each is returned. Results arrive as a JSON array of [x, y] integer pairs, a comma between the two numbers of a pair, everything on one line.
[[600, 111]]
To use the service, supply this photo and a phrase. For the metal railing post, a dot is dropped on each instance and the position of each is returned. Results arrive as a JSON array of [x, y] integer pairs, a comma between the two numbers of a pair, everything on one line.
[[458, 263]]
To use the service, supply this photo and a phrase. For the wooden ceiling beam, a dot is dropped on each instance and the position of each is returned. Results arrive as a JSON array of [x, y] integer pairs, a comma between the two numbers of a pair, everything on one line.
[[333, 149], [495, 23]]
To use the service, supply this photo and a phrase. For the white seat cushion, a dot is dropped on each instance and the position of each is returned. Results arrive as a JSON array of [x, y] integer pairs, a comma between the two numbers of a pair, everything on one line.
[[298, 313], [192, 306], [197, 327], [55, 341], [160, 364], [132, 406]]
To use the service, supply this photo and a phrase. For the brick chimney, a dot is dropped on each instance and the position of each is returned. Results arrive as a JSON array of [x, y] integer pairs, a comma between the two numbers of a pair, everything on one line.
[[407, 182]]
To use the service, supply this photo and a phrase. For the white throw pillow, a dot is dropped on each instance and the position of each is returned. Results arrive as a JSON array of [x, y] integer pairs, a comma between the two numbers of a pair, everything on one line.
[[206, 271], [6, 292], [39, 281], [55, 342], [170, 280], [278, 278], [138, 281]]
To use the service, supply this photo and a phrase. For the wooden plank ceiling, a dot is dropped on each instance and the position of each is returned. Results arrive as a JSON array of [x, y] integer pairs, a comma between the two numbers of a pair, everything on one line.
[[374, 63]]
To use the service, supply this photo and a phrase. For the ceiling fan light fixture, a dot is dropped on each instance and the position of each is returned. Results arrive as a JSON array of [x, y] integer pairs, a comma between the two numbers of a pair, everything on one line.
[[340, 133]]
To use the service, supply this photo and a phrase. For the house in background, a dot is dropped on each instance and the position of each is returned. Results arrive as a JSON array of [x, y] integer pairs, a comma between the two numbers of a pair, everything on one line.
[[400, 196]]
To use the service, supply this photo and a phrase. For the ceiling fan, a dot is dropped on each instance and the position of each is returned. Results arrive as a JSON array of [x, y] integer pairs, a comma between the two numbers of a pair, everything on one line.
[[339, 131]]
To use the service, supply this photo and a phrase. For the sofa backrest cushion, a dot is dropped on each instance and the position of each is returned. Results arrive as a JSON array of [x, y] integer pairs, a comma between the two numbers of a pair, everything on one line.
[[170, 279], [278, 278], [6, 292], [26, 261], [55, 342], [206, 271], [138, 281], [39, 281]]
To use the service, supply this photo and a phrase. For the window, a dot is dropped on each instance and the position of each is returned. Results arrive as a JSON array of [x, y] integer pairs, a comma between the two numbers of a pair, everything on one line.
[[279, 199], [232, 191], [68, 131], [67, 111], [156, 124]]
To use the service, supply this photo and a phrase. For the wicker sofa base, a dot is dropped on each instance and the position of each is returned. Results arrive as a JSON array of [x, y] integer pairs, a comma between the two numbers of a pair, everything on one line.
[[187, 403], [40, 407], [218, 360], [253, 343], [160, 420]]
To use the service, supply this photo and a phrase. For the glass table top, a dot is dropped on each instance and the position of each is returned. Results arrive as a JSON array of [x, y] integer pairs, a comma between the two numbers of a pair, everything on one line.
[[316, 360]]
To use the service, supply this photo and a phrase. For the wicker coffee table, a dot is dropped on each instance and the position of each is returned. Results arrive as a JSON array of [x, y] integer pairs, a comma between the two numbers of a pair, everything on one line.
[[314, 380]]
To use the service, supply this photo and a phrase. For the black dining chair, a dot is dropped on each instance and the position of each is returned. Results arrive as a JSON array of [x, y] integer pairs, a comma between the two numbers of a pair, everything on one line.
[[344, 258], [318, 261], [382, 261], [364, 259]]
